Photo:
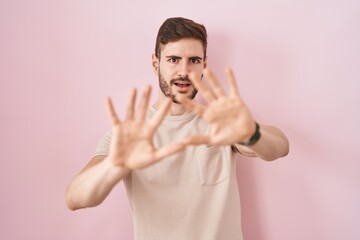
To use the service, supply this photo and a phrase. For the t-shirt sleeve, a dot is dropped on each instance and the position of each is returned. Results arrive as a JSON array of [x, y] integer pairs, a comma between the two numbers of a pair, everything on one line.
[[103, 145]]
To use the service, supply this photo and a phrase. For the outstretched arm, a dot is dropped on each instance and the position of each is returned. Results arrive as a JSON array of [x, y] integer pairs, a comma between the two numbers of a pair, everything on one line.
[[231, 122], [131, 147], [94, 183], [272, 144]]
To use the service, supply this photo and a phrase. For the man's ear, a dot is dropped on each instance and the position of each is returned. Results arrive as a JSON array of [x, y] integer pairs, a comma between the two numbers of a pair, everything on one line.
[[155, 64]]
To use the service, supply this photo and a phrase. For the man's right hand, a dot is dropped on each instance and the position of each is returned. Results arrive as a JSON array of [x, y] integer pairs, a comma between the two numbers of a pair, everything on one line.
[[132, 139]]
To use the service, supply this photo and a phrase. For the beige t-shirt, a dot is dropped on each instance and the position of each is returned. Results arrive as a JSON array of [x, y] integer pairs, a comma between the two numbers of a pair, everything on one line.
[[191, 195]]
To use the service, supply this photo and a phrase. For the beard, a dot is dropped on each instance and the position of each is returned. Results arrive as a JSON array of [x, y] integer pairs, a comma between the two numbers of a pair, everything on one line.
[[166, 88]]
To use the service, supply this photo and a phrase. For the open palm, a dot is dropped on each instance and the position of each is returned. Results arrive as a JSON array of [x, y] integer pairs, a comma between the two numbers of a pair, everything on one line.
[[131, 144], [229, 118]]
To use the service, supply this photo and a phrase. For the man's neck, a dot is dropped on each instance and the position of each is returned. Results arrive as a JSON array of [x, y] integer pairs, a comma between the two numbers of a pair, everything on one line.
[[175, 109]]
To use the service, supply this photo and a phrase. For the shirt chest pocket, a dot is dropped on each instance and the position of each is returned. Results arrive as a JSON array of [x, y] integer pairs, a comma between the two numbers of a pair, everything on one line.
[[213, 165]]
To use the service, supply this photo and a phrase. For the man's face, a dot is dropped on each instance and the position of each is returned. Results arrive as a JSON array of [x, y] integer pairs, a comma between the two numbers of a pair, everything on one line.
[[177, 61]]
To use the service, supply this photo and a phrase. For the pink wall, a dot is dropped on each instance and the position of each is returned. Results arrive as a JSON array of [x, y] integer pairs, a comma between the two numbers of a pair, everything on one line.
[[298, 67]]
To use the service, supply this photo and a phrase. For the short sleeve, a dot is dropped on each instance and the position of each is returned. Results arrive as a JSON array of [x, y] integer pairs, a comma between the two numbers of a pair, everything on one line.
[[103, 145]]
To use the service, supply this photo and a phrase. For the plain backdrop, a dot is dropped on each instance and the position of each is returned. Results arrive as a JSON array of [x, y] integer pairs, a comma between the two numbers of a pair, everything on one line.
[[297, 65]]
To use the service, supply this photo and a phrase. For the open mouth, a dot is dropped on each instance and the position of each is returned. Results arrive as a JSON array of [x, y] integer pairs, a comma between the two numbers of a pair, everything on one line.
[[182, 84]]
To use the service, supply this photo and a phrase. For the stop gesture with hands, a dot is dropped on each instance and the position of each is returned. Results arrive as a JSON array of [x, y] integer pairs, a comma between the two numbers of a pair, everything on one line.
[[229, 118], [132, 139]]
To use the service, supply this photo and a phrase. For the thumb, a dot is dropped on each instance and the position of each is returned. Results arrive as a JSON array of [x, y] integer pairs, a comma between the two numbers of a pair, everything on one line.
[[197, 140]]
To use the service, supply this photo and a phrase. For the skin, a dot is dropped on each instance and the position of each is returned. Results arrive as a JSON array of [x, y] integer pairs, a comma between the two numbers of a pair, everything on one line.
[[132, 146], [230, 120], [178, 59]]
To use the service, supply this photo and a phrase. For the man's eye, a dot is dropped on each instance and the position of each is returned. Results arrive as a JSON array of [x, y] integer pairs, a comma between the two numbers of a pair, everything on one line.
[[194, 60], [173, 60]]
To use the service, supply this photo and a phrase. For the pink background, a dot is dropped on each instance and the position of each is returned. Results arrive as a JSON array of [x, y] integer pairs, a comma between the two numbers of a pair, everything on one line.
[[298, 67]]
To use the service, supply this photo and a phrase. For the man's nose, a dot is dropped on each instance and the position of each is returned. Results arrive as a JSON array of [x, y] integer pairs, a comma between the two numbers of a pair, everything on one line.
[[184, 69]]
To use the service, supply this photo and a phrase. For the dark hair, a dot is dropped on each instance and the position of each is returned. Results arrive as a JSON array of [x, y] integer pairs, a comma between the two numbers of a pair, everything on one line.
[[176, 28]]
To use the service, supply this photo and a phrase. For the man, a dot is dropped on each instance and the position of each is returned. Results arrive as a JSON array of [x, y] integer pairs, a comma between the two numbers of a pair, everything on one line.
[[176, 157]]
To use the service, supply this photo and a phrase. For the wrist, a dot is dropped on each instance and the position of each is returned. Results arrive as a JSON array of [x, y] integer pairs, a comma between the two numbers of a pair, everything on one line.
[[114, 168], [254, 138]]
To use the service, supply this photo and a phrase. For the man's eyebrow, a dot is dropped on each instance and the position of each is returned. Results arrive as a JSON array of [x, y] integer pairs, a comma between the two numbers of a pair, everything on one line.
[[177, 57], [173, 56], [196, 57]]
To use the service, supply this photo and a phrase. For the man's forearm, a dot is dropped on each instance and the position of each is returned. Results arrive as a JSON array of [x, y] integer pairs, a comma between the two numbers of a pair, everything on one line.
[[271, 145], [90, 187]]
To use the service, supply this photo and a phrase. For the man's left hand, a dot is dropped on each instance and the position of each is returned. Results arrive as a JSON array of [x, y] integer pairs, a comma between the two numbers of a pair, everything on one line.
[[228, 116]]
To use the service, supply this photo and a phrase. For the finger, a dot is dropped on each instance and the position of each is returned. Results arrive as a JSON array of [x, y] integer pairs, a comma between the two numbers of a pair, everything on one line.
[[218, 140], [139, 164], [160, 115], [158, 155], [144, 103], [168, 150], [234, 90], [111, 112], [214, 83], [202, 88], [191, 105], [131, 105], [202, 139], [197, 140]]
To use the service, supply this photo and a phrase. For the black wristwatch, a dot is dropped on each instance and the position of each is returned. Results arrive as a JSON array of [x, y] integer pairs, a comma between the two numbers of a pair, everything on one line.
[[254, 138]]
